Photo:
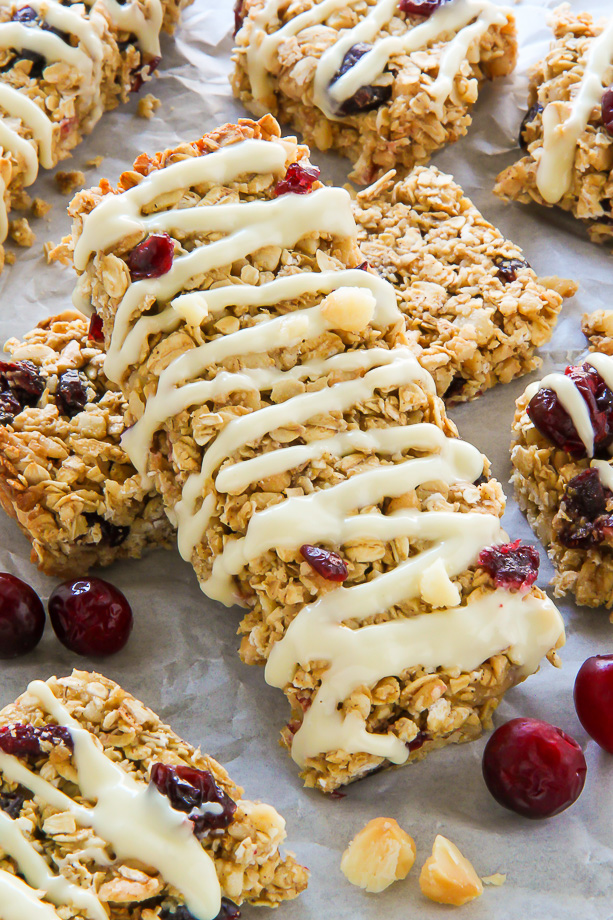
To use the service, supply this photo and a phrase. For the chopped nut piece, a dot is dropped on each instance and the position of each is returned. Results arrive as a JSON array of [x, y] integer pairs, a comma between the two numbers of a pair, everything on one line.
[[94, 162], [148, 105], [348, 309], [447, 877], [381, 853], [68, 181]]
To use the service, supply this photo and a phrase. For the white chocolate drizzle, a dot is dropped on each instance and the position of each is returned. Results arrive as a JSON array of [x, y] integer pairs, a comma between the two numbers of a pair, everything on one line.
[[136, 820], [522, 624], [466, 20], [20, 902], [565, 122]]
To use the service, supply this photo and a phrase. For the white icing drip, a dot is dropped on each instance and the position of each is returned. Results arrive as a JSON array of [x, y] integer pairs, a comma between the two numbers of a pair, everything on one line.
[[572, 402], [605, 471], [452, 17], [135, 819], [603, 364], [31, 864], [146, 26], [564, 123], [18, 105], [19, 902]]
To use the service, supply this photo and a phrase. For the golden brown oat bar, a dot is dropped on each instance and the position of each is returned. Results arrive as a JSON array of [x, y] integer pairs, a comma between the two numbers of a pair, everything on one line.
[[63, 474], [61, 65], [469, 296], [384, 82], [304, 454], [106, 814], [568, 148], [563, 477]]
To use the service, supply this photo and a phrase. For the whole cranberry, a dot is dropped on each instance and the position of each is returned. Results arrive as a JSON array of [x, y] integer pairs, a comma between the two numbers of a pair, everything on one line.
[[90, 617], [533, 768], [593, 696], [22, 617]]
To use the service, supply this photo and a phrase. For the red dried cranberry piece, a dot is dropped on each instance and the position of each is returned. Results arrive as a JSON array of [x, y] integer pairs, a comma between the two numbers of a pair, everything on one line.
[[364, 267], [113, 534], [95, 331], [11, 803], [510, 565], [607, 110], [70, 395], [367, 97], [593, 695], [23, 379], [417, 742], [22, 617], [188, 790], [90, 617], [528, 118], [533, 768], [508, 268], [585, 495], [239, 15], [24, 740], [9, 407], [298, 179], [419, 7], [228, 911], [140, 74], [152, 258], [326, 563]]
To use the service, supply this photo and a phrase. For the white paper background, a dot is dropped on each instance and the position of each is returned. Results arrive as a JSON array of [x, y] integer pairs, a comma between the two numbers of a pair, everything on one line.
[[182, 658]]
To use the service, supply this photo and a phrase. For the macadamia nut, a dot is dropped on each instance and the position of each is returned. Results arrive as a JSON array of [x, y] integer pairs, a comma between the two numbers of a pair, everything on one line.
[[447, 877], [381, 853]]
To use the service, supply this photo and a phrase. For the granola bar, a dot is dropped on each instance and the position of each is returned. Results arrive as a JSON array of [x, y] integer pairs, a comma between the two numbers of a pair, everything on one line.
[[304, 454], [106, 814], [63, 474], [62, 64], [468, 295], [566, 134], [563, 478], [383, 82]]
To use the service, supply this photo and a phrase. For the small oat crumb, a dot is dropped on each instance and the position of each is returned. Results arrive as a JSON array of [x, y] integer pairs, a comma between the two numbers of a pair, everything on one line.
[[10, 258], [497, 879], [20, 201], [21, 232], [379, 854], [148, 105], [68, 181], [94, 162], [40, 207]]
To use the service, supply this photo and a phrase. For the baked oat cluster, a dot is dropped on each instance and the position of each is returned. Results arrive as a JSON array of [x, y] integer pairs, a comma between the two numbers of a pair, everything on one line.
[[62, 64], [567, 132], [63, 474], [382, 82], [106, 814], [275, 398]]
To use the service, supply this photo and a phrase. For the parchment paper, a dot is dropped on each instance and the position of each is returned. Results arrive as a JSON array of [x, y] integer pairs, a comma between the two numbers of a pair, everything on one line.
[[182, 660]]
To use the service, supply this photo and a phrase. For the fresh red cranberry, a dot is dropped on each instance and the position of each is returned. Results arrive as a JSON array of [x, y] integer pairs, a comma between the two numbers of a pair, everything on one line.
[[188, 789], [239, 15], [152, 258], [70, 395], [593, 696], [9, 407], [95, 331], [607, 109], [419, 7], [553, 421], [11, 803], [511, 565], [298, 179], [326, 563], [528, 118], [533, 768], [508, 268], [25, 740], [366, 97], [228, 911], [23, 379], [22, 617], [90, 617]]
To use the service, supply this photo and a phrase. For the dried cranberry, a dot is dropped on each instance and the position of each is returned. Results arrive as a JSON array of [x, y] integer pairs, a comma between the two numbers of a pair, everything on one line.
[[70, 395], [607, 110], [9, 407], [22, 617], [326, 563], [585, 495], [90, 617], [112, 534], [553, 421], [188, 790], [364, 266], [510, 565], [140, 74], [481, 480], [508, 268], [298, 179], [239, 15], [420, 7], [454, 390], [23, 379], [24, 740], [367, 97], [533, 768], [24, 14], [228, 911], [95, 331], [417, 742], [528, 118], [593, 695], [11, 803], [151, 258]]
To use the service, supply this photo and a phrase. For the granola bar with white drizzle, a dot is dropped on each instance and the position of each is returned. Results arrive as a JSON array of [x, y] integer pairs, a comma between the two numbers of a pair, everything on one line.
[[93, 825], [469, 296], [63, 474], [563, 474], [568, 148], [383, 82], [61, 66], [282, 413]]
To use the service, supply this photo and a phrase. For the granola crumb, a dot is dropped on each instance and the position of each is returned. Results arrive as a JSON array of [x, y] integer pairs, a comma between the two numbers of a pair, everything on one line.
[[40, 207], [20, 201], [94, 162], [380, 854], [68, 180], [148, 105], [496, 880], [9, 258], [21, 232]]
